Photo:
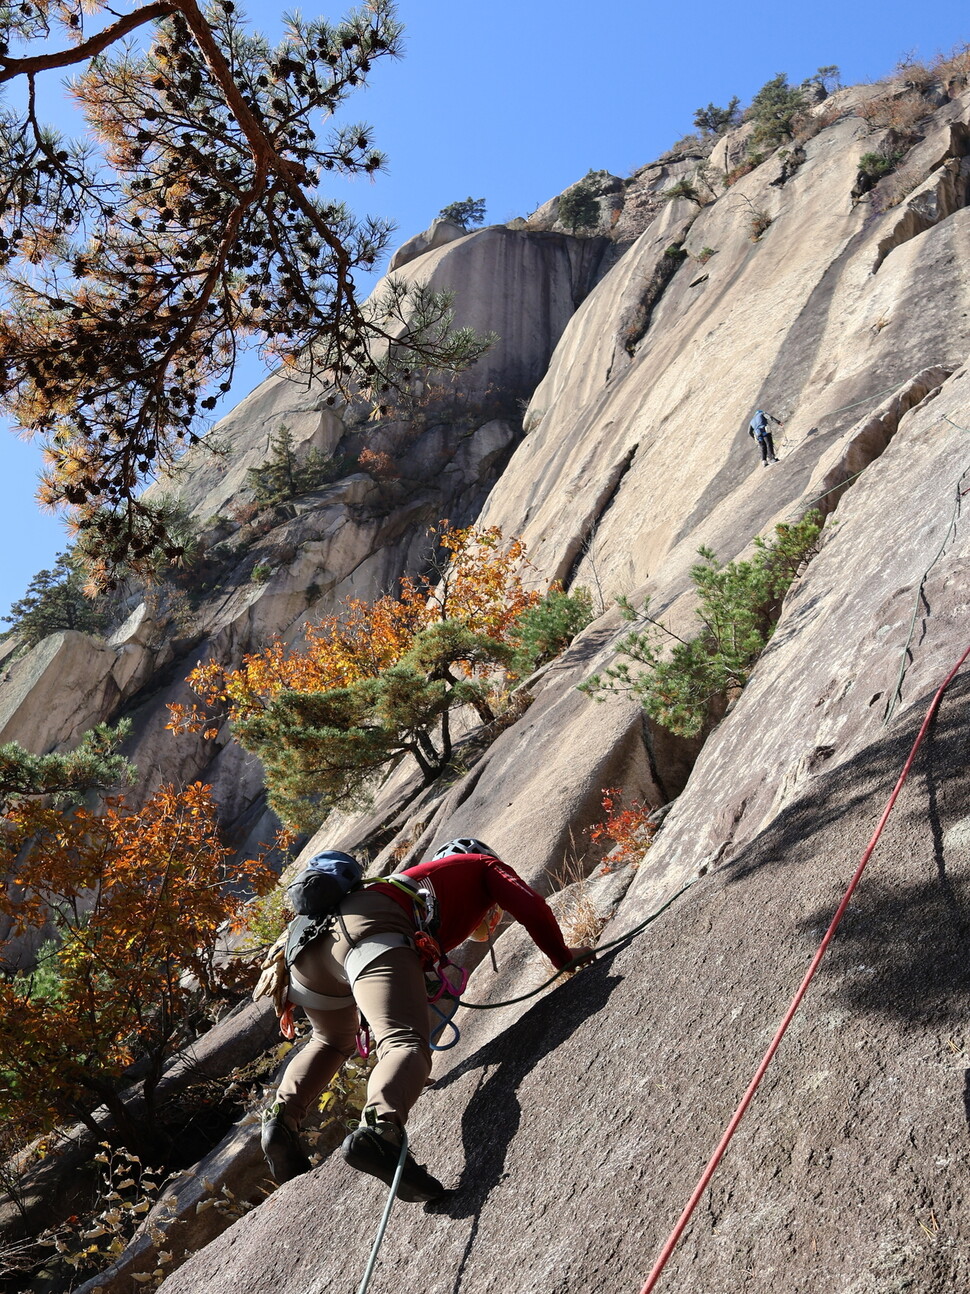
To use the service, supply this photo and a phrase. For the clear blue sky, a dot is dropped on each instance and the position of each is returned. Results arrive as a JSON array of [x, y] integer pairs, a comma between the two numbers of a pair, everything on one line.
[[513, 100]]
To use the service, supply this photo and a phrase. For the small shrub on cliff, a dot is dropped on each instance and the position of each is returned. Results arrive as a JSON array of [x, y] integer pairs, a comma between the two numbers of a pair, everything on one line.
[[625, 832], [378, 464], [579, 208], [289, 473], [738, 607], [759, 221], [685, 147], [743, 168], [544, 630], [873, 166], [953, 69], [827, 78], [905, 113], [683, 188], [774, 111], [713, 120], [468, 212]]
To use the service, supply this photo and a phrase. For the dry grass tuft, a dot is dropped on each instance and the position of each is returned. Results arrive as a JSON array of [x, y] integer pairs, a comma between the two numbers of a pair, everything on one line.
[[902, 112]]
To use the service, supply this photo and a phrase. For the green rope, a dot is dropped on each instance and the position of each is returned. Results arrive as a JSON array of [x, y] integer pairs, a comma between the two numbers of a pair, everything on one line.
[[576, 961], [833, 488], [391, 1197], [866, 399]]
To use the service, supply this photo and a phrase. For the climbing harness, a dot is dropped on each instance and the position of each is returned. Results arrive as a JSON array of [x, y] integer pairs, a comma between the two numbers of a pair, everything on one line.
[[423, 899], [442, 976], [796, 1001], [386, 1217]]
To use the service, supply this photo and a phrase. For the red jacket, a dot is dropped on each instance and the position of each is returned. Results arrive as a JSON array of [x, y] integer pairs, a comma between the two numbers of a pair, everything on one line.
[[466, 886]]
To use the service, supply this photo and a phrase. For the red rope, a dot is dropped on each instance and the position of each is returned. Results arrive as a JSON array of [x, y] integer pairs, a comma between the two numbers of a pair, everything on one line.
[[796, 1000]]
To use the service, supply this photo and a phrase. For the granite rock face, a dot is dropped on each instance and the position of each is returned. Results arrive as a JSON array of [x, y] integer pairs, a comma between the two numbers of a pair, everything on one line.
[[572, 1126], [353, 536], [438, 234], [642, 416]]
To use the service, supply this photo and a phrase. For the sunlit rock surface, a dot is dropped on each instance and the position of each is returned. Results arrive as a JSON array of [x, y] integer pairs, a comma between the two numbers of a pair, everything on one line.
[[573, 1126]]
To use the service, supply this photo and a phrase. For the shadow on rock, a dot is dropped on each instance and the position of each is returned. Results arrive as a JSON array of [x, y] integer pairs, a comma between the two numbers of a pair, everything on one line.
[[937, 794], [901, 952], [491, 1118]]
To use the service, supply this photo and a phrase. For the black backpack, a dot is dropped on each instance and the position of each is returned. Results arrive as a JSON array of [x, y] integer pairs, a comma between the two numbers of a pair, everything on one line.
[[327, 878]]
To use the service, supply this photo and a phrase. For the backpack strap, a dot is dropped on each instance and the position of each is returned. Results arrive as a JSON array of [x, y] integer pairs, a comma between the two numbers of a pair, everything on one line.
[[301, 932], [423, 899]]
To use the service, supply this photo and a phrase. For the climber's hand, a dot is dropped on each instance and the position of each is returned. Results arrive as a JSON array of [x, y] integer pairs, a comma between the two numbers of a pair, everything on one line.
[[582, 956]]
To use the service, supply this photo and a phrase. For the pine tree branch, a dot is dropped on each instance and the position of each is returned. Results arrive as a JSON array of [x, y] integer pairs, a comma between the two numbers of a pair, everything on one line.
[[88, 49]]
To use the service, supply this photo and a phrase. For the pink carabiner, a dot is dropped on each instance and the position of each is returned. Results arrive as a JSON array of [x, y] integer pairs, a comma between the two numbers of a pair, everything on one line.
[[444, 983]]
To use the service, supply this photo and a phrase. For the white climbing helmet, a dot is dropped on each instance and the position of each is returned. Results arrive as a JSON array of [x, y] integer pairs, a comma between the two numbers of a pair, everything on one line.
[[466, 845]]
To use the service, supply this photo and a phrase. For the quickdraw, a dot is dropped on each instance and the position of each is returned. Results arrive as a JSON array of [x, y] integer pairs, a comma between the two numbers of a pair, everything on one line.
[[287, 1023]]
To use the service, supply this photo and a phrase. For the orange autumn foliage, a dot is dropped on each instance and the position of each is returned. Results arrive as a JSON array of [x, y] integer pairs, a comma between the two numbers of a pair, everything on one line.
[[137, 899], [479, 585], [626, 833]]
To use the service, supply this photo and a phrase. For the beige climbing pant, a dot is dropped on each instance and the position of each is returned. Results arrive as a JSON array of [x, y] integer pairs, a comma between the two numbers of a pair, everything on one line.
[[391, 994]]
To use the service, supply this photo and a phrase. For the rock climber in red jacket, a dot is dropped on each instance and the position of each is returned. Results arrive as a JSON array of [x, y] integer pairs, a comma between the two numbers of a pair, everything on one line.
[[371, 961]]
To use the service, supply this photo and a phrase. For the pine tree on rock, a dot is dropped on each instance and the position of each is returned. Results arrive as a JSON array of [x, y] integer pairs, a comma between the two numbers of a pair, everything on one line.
[[375, 682], [190, 216]]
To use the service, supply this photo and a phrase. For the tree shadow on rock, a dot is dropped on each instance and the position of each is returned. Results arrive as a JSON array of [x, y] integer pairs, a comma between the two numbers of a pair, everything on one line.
[[901, 953], [852, 794], [902, 948]]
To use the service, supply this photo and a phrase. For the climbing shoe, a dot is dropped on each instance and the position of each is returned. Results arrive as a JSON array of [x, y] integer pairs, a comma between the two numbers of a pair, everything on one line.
[[281, 1146], [375, 1148]]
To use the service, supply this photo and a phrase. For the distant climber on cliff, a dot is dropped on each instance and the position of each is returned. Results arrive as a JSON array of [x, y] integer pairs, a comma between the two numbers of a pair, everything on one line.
[[371, 954], [758, 428]]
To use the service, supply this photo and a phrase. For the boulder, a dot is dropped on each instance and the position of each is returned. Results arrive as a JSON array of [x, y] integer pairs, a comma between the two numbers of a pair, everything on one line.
[[66, 684], [438, 233]]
